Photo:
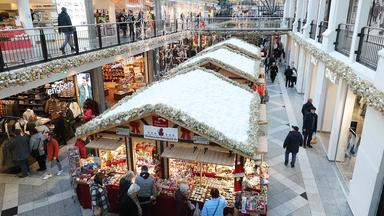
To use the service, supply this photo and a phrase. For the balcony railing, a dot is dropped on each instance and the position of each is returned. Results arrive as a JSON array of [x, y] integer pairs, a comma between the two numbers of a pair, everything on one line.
[[298, 25], [23, 47], [322, 28], [312, 32], [370, 43], [303, 24], [344, 38]]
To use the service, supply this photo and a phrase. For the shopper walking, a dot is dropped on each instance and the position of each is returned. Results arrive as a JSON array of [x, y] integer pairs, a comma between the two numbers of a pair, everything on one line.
[[215, 206], [123, 25], [60, 130], [52, 155], [293, 77], [306, 107], [274, 70], [128, 201], [147, 190], [65, 20], [21, 150], [288, 76], [131, 20], [291, 144], [309, 126], [99, 196], [183, 205], [36, 144]]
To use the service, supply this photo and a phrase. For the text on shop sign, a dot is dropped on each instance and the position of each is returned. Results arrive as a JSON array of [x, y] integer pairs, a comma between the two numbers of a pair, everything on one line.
[[161, 133], [59, 87]]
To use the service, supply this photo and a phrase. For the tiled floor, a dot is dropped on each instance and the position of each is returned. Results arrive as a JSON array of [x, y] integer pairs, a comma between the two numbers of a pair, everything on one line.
[[311, 188]]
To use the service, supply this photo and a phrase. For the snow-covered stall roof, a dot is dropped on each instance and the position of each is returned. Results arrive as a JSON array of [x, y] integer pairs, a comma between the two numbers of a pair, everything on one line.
[[239, 45], [228, 59], [198, 99]]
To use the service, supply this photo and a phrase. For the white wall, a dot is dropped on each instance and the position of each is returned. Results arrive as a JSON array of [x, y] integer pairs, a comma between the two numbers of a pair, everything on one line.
[[313, 80], [331, 92]]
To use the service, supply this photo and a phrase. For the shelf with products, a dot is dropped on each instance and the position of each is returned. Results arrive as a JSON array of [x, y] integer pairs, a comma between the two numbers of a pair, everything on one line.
[[114, 159], [145, 153]]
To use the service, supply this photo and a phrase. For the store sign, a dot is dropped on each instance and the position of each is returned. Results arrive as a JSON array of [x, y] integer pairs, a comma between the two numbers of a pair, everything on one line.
[[122, 131], [159, 121], [200, 140], [59, 87], [331, 76], [161, 133]]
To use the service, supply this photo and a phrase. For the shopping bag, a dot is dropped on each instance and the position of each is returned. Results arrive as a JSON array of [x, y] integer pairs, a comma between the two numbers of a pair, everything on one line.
[[314, 140], [197, 211]]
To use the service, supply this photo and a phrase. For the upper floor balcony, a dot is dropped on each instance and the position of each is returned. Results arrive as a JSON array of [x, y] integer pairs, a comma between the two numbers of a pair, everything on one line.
[[24, 47]]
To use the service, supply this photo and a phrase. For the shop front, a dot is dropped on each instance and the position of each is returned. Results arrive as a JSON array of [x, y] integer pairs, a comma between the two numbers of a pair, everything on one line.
[[124, 77], [188, 146]]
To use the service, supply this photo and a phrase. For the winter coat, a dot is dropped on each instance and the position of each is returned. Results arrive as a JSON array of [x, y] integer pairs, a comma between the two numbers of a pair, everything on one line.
[[81, 145], [20, 148], [288, 72], [147, 185], [128, 203], [182, 208], [122, 19], [52, 149], [274, 69], [292, 142], [64, 20], [37, 142], [306, 108], [310, 123]]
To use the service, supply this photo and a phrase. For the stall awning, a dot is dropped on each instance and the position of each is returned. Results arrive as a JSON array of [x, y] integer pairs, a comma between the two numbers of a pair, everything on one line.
[[198, 155], [181, 153], [215, 157], [105, 143]]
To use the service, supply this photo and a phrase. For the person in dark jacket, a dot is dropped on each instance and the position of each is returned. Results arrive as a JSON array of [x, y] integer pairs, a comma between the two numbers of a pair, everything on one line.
[[182, 202], [36, 143], [274, 70], [291, 144], [131, 20], [309, 126], [128, 202], [306, 107], [288, 76], [21, 150], [60, 130], [122, 19], [147, 190], [65, 20]]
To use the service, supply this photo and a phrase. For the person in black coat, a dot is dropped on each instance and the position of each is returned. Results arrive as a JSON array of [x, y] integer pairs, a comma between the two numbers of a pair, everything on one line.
[[291, 144], [309, 126], [274, 70], [20, 151], [64, 20], [288, 76], [127, 205], [306, 107], [122, 20]]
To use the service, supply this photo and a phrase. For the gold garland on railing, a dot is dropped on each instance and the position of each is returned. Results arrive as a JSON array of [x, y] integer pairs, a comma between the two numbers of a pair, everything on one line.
[[41, 71], [363, 88]]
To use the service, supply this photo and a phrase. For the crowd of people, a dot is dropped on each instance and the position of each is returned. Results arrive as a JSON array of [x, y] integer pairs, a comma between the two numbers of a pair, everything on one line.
[[137, 197]]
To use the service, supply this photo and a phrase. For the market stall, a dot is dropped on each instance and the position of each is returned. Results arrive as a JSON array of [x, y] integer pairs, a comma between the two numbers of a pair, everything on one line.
[[225, 61], [177, 129]]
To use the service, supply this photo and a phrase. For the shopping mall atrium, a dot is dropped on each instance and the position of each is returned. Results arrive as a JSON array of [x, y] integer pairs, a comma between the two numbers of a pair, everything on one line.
[[192, 108]]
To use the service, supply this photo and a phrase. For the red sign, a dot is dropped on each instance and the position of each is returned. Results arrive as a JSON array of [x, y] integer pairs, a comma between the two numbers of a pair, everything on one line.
[[159, 121]]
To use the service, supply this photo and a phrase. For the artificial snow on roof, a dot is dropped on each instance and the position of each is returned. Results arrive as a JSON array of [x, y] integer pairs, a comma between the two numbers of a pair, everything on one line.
[[237, 43], [204, 97], [228, 57]]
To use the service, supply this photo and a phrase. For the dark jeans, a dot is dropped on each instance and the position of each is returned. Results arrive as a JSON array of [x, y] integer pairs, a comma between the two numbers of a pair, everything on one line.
[[307, 139], [293, 81], [131, 32], [41, 161], [146, 208], [287, 157], [23, 164], [288, 82]]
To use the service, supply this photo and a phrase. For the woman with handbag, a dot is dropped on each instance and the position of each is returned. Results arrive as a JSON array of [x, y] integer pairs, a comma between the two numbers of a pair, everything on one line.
[[215, 206], [36, 143]]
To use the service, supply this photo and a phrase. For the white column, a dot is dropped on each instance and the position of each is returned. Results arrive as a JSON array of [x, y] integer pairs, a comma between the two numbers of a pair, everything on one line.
[[368, 175], [320, 16], [342, 89], [23, 9], [286, 8], [292, 7], [311, 15], [321, 91], [362, 15], [299, 10], [112, 12], [338, 14], [308, 73], [301, 70]]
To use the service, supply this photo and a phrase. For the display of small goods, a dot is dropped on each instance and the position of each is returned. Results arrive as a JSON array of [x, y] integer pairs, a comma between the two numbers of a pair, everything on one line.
[[252, 202], [74, 161], [168, 187], [113, 178], [89, 167], [214, 170], [198, 193], [146, 154], [181, 169], [115, 159]]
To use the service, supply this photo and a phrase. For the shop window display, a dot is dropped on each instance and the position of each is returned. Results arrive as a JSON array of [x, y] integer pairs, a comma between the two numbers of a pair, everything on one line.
[[114, 160], [124, 77], [146, 153]]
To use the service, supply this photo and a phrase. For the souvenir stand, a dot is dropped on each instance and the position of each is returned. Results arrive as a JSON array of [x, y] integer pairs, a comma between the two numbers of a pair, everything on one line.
[[205, 134]]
